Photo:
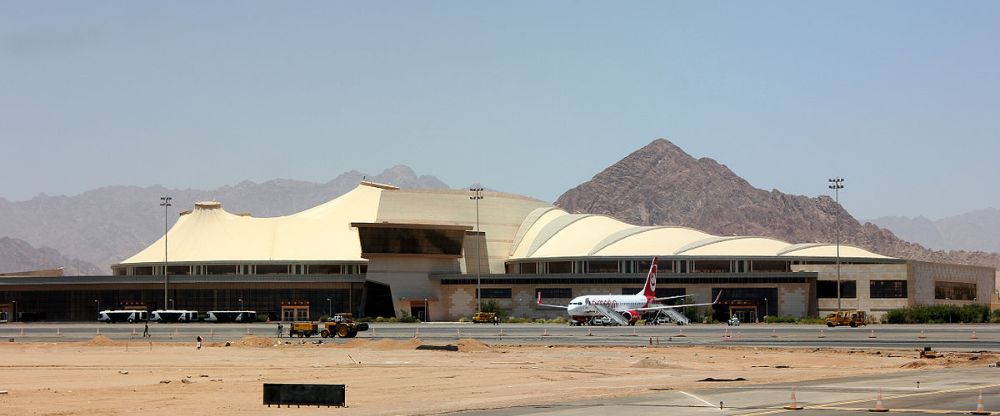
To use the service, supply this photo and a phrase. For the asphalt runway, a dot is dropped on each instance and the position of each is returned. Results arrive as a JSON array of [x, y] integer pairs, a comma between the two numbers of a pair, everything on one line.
[[950, 391], [939, 337]]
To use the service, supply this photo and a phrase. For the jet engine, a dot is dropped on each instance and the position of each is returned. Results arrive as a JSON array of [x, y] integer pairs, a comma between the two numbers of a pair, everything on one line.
[[631, 316]]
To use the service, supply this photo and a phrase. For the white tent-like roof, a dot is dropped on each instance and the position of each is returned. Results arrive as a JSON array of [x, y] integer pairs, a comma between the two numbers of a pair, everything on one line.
[[210, 234], [552, 232]]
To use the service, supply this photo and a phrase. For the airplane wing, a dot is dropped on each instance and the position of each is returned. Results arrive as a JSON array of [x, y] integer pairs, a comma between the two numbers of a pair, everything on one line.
[[611, 314], [671, 297], [549, 306], [662, 307]]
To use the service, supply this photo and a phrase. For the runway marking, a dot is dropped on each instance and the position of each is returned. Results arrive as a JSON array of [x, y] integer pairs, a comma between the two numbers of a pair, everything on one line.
[[837, 405], [699, 399]]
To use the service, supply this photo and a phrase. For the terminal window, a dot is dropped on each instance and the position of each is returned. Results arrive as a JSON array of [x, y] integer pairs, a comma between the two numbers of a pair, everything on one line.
[[495, 293], [954, 291], [556, 293], [826, 289], [887, 289]]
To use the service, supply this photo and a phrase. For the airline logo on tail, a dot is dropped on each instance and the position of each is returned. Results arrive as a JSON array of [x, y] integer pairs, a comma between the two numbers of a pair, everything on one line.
[[649, 291]]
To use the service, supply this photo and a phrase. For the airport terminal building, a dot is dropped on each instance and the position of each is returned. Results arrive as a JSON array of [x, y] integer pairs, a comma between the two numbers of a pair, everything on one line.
[[382, 251]]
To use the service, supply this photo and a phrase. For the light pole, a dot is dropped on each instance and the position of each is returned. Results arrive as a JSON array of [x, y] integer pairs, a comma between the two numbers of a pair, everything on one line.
[[165, 203], [14, 318], [329, 304], [241, 303], [837, 184], [171, 303], [427, 311], [477, 194], [98, 302], [767, 307]]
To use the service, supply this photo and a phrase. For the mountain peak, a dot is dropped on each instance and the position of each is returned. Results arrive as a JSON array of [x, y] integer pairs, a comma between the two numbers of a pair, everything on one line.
[[660, 184]]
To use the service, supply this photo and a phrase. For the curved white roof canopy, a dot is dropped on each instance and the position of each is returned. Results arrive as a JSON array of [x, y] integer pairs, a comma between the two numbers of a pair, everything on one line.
[[321, 233], [552, 233]]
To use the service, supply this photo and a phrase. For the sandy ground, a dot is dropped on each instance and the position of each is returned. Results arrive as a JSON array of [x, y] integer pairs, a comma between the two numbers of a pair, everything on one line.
[[390, 377]]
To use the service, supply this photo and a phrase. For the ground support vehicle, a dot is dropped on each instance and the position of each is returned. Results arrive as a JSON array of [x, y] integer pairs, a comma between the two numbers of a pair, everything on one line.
[[853, 319], [485, 318], [734, 321], [323, 329], [130, 316], [348, 319]]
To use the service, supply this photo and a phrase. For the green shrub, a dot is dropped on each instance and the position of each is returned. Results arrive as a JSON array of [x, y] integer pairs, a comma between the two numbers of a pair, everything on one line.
[[934, 314], [516, 320], [262, 317], [793, 320], [995, 317], [493, 306]]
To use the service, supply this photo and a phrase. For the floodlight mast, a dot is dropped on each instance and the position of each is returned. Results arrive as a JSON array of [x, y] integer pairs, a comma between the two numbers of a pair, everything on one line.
[[477, 194], [837, 184], [165, 203]]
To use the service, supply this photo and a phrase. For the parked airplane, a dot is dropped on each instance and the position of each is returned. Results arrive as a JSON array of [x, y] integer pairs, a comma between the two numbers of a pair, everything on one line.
[[623, 309]]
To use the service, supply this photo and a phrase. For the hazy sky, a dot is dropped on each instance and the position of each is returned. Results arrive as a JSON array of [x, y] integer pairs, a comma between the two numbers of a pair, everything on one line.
[[900, 98]]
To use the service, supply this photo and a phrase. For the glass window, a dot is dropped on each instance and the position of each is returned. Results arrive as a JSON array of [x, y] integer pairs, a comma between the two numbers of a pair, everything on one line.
[[324, 269], [954, 291], [529, 268], [494, 293], [888, 289], [712, 266], [826, 289], [764, 266], [557, 293], [557, 267], [602, 267]]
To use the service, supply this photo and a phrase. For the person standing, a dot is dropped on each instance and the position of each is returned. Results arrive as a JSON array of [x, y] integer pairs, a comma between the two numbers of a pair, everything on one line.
[[145, 330], [280, 330], [199, 341]]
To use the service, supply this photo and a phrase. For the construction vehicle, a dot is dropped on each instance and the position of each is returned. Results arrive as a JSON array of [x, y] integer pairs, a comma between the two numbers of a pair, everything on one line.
[[324, 329], [485, 318], [853, 319]]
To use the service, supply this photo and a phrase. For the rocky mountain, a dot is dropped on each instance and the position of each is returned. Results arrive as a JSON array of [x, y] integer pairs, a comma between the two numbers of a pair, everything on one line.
[[977, 230], [19, 256], [660, 184], [106, 225]]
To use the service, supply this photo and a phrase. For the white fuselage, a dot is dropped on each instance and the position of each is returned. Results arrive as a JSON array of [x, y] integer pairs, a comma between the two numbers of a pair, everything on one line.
[[618, 303]]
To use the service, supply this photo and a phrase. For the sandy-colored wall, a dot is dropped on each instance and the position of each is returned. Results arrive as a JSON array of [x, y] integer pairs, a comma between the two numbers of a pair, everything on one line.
[[863, 274]]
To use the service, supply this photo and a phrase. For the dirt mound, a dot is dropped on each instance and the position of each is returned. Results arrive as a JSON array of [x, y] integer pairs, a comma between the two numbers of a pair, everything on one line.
[[472, 345], [251, 341], [356, 343], [650, 362], [101, 341], [391, 344], [915, 364]]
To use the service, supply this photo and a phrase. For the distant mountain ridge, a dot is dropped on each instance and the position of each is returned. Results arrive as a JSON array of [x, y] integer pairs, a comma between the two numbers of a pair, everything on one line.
[[660, 184], [106, 225], [19, 256], [976, 230]]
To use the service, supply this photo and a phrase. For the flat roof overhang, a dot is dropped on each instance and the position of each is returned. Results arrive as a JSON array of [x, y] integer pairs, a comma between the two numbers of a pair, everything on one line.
[[41, 283]]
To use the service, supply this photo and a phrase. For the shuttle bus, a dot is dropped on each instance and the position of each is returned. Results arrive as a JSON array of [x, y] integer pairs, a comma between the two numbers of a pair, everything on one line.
[[230, 316], [174, 316], [129, 316]]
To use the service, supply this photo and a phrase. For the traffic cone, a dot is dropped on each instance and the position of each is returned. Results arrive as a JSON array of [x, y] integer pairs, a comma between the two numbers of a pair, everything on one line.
[[974, 334], [921, 336], [872, 334], [458, 333], [98, 331], [794, 405], [980, 410], [633, 332], [590, 332], [22, 332], [546, 333], [878, 404], [822, 334], [774, 333], [133, 332], [58, 332], [416, 334], [680, 333]]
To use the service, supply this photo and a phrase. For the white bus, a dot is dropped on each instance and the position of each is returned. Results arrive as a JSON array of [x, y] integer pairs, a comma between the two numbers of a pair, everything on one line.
[[174, 316], [230, 316], [122, 316]]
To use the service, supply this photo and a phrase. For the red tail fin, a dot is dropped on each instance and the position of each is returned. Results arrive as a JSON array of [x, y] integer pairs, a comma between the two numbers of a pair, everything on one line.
[[649, 291]]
